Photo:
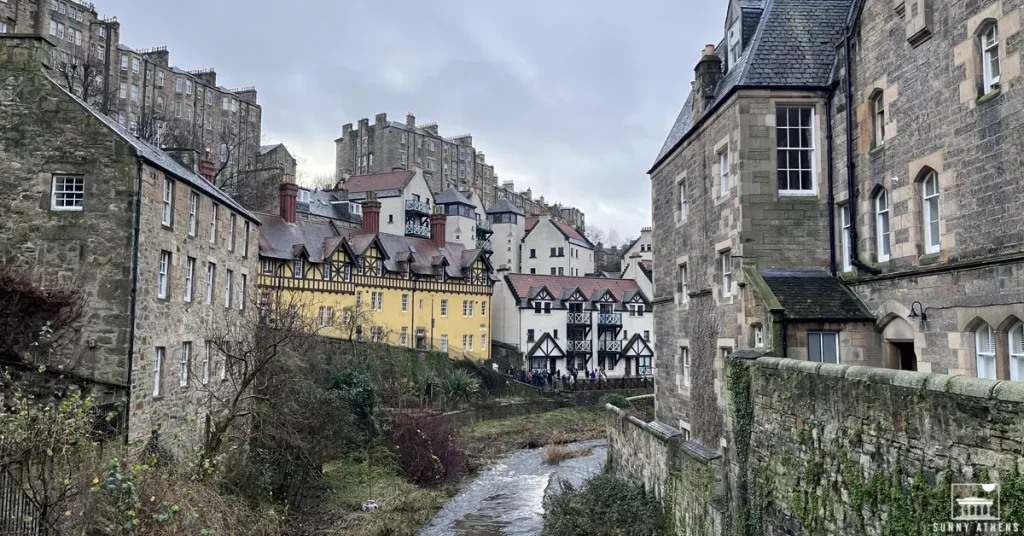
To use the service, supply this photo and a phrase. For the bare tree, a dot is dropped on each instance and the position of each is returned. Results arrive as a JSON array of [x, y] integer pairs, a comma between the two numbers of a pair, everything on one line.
[[83, 74], [595, 235]]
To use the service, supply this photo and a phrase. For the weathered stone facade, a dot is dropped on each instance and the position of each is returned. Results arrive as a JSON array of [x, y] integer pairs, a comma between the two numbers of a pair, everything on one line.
[[48, 136]]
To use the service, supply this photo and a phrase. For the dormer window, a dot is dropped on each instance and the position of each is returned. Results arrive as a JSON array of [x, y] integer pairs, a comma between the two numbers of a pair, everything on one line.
[[735, 48], [303, 196]]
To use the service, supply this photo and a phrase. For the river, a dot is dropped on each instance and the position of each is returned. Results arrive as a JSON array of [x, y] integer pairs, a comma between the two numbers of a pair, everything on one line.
[[508, 498]]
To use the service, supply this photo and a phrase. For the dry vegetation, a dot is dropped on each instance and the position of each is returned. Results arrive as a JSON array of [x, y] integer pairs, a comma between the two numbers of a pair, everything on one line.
[[555, 454]]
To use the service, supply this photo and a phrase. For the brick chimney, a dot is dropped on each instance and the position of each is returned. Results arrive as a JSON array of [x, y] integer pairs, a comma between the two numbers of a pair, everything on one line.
[[371, 213], [207, 170], [707, 74], [437, 227], [289, 195]]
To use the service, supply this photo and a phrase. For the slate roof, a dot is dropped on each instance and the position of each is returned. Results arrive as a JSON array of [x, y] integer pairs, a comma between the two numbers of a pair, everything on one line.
[[328, 205], [391, 180], [155, 156], [505, 206], [567, 230], [264, 149], [278, 238], [814, 295], [793, 46], [594, 287], [452, 196]]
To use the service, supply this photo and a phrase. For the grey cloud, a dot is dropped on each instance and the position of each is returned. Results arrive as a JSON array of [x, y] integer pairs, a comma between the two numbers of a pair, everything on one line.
[[571, 98]]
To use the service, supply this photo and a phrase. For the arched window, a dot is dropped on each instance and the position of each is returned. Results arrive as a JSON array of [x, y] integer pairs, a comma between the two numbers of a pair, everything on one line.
[[1017, 352], [878, 117], [882, 225], [989, 36], [985, 351], [930, 201]]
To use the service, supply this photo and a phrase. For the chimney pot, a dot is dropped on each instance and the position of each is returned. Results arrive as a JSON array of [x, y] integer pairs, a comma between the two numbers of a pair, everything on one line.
[[371, 213], [709, 50], [289, 196]]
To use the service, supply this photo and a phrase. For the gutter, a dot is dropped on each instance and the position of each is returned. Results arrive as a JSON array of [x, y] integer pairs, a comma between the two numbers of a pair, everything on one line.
[[135, 291]]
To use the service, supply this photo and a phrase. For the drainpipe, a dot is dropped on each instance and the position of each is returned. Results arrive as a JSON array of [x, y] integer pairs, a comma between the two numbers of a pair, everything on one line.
[[854, 260], [134, 293], [831, 196]]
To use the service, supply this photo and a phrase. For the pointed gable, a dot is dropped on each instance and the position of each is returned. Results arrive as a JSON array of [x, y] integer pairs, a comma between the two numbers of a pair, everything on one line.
[[546, 346], [637, 347], [540, 294]]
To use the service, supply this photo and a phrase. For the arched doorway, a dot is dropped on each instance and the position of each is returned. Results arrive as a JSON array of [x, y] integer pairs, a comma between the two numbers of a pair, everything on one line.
[[898, 339]]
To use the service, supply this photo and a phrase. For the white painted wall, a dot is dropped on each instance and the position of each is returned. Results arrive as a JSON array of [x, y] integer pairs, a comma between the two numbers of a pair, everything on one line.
[[462, 230], [576, 261], [507, 240], [643, 246], [632, 271]]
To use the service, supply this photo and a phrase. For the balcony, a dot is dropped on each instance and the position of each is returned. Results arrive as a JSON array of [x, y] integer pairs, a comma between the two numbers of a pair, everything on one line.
[[417, 207], [484, 227], [609, 319], [414, 229], [609, 346], [579, 346], [484, 245], [579, 319]]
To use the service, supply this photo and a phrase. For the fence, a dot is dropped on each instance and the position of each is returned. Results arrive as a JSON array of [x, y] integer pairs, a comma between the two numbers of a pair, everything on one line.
[[18, 514]]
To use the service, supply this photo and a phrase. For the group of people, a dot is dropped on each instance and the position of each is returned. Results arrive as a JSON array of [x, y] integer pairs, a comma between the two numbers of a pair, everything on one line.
[[543, 378]]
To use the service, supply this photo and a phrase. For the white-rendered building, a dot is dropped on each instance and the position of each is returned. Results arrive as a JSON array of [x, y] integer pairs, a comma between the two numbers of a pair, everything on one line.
[[643, 245], [587, 322], [638, 269], [405, 200], [552, 247], [509, 224], [466, 224]]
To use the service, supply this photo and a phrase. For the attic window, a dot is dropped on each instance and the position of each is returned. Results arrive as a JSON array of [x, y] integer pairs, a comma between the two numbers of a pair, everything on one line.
[[735, 48], [303, 196]]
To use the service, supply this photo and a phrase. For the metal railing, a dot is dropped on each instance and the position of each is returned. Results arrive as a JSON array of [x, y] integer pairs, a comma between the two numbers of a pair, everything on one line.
[[579, 318], [609, 346], [484, 245], [413, 205], [579, 346], [610, 319], [415, 229], [484, 225]]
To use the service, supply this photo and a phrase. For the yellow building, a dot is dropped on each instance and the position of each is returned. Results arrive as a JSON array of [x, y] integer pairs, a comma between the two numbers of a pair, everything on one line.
[[365, 285]]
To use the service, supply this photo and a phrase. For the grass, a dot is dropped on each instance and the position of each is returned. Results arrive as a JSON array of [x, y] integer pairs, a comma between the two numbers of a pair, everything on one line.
[[554, 454], [486, 441], [403, 508]]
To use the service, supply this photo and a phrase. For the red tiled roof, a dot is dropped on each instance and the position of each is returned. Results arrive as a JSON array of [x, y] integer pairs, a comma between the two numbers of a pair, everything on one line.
[[392, 180], [647, 265], [568, 231], [520, 284], [531, 223]]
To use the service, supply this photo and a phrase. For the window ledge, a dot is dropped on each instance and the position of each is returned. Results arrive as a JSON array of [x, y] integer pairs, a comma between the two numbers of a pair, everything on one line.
[[881, 266], [809, 197], [929, 258], [991, 95], [877, 150]]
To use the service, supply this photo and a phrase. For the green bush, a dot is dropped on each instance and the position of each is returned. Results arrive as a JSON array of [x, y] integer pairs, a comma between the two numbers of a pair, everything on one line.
[[618, 401], [605, 506], [459, 387]]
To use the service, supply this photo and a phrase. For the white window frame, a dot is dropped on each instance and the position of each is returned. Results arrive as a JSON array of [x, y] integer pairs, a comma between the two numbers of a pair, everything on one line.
[[758, 336], [160, 78], [178, 84], [990, 57], [723, 173], [213, 223], [211, 279], [844, 221], [124, 62], [298, 269], [932, 240], [734, 39], [158, 364], [164, 272], [330, 316], [1017, 352], [207, 350], [682, 201], [685, 359], [812, 151], [405, 303], [726, 266], [232, 219], [123, 92], [444, 308], [186, 356], [444, 344], [821, 344], [67, 192], [404, 340], [883, 247], [190, 269], [684, 284], [241, 292], [193, 207], [168, 200], [985, 354], [245, 239], [228, 280], [878, 116]]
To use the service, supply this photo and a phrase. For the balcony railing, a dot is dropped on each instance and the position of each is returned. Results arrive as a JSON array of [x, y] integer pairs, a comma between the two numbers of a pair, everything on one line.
[[415, 229], [580, 346], [579, 318], [412, 205], [610, 319], [484, 245], [609, 346], [484, 226]]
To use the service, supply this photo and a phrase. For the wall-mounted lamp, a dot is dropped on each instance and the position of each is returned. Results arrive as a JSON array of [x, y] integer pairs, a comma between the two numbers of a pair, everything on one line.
[[914, 308]]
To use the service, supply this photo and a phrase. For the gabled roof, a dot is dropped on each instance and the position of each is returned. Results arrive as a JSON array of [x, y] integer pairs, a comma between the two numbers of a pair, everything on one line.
[[604, 294], [793, 46], [327, 204], [391, 180], [451, 196], [567, 231], [637, 347], [521, 284], [264, 149], [549, 346], [814, 295], [539, 293], [502, 206]]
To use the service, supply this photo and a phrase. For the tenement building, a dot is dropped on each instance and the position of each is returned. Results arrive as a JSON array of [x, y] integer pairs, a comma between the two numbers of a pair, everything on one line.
[[164, 261], [840, 186], [367, 284], [586, 323], [447, 162]]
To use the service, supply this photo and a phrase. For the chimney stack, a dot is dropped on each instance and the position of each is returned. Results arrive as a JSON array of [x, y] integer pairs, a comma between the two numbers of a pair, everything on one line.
[[707, 74], [437, 226], [207, 170], [289, 196], [410, 120], [371, 213], [189, 158]]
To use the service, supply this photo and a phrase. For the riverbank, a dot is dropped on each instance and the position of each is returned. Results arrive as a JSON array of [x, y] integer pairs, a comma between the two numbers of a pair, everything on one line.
[[403, 507]]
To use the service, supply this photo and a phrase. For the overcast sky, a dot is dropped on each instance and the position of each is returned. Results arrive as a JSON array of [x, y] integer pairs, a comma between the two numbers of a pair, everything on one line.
[[573, 98]]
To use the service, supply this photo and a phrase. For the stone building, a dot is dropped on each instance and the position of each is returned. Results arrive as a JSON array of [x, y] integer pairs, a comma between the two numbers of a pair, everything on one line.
[[162, 258], [447, 162], [908, 106]]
